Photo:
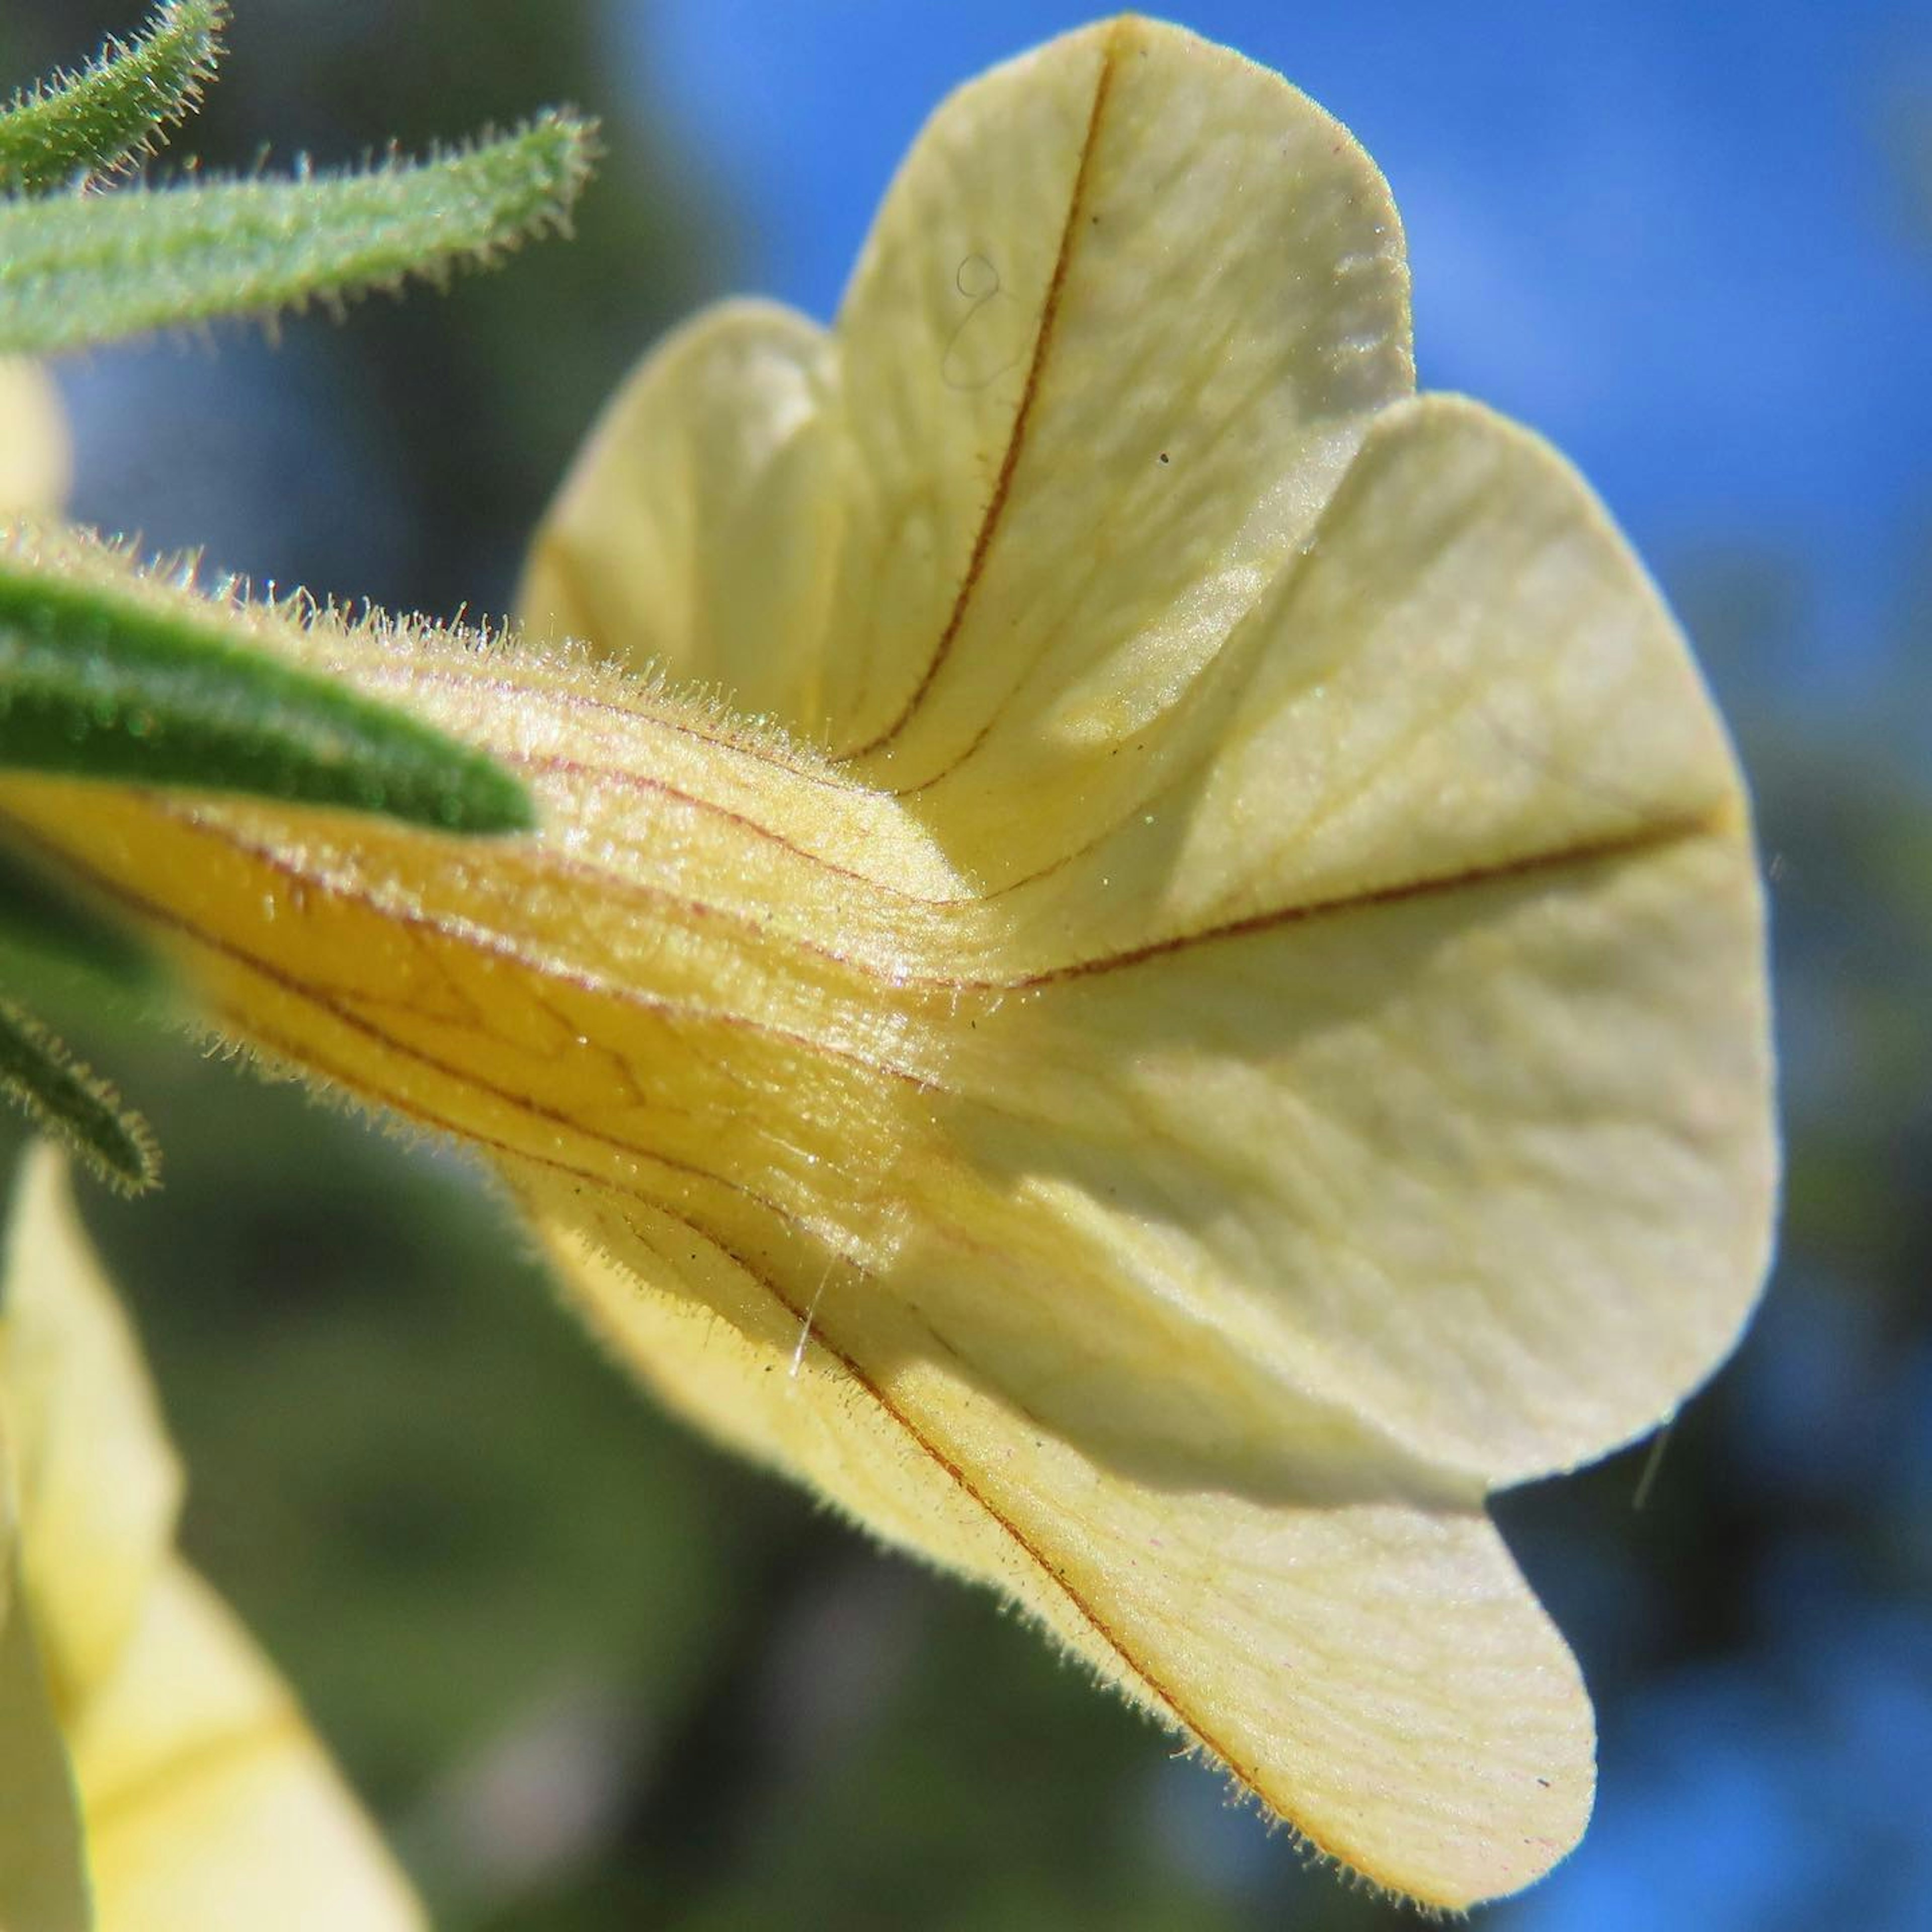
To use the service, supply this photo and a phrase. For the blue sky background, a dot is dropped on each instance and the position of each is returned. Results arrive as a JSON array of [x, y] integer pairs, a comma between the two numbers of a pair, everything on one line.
[[1673, 237]]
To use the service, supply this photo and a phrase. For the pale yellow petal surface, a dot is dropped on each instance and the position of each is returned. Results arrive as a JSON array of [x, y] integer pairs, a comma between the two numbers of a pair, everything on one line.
[[1255, 1232], [36, 455], [1467, 671], [1049, 487], [1366, 1659], [210, 1806], [98, 1483], [1257, 1035], [697, 529], [1490, 1169], [1201, 298], [206, 1803], [1464, 1119]]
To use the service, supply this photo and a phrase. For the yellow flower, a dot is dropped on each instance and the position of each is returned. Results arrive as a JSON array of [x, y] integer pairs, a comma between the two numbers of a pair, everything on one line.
[[149, 1747], [1203, 1008], [35, 459]]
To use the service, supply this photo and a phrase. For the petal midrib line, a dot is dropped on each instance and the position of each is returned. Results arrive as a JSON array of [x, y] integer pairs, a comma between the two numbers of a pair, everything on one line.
[[991, 518]]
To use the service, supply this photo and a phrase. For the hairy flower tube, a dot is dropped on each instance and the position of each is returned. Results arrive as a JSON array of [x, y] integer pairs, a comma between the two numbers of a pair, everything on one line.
[[156, 1775], [1161, 986]]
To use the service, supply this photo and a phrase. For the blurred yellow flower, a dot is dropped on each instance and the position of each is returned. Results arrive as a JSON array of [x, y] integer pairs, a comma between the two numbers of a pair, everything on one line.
[[141, 1723], [1202, 1008], [35, 459]]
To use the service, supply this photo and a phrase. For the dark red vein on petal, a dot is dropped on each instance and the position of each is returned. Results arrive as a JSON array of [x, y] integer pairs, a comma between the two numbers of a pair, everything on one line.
[[479, 938], [1158, 1693], [1628, 845], [351, 1021], [989, 522]]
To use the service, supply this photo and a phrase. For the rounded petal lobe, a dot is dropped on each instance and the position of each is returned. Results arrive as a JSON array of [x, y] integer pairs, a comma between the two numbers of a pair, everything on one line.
[[1467, 671], [1491, 1168], [98, 1483], [1365, 1661], [1120, 326], [1425, 1010], [1123, 319]]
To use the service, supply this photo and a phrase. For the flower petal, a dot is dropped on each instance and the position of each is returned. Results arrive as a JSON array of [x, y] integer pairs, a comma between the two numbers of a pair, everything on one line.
[[1467, 671], [206, 1802], [210, 1806], [1361, 1654], [1490, 1169], [36, 455], [1121, 324], [1415, 1035], [1129, 246], [97, 1481], [697, 530]]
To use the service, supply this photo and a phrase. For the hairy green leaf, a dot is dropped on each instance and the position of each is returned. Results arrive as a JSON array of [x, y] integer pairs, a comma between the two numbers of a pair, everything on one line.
[[76, 1106], [116, 108], [97, 681], [74, 271]]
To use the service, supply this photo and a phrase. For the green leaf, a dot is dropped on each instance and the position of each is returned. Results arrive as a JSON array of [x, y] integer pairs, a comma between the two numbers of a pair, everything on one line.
[[116, 108], [78, 270], [97, 681], [76, 1106]]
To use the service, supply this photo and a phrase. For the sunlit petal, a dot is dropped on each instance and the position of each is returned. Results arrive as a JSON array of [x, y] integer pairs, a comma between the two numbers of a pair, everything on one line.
[[138, 1716], [718, 450], [210, 1804], [97, 1478], [1054, 489], [36, 453], [1101, 393], [1353, 1642], [1433, 977]]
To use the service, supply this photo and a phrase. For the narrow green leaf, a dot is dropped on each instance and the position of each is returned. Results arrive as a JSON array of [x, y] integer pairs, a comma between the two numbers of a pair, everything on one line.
[[98, 682], [75, 271], [117, 107], [76, 1106]]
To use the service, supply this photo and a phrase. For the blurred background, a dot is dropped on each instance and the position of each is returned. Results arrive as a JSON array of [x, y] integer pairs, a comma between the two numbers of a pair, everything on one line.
[[591, 1675]]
